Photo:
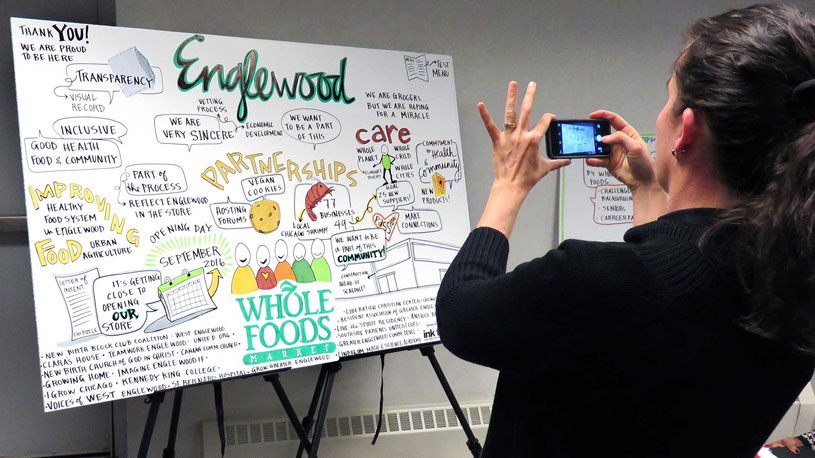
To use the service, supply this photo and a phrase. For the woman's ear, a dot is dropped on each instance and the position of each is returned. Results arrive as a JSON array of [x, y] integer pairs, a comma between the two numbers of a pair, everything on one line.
[[690, 131]]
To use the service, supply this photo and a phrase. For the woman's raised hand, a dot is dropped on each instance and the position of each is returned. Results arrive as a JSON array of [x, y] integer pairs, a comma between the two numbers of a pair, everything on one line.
[[631, 163], [516, 160]]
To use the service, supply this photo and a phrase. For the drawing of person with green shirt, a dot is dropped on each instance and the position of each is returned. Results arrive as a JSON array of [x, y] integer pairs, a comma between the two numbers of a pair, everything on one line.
[[386, 162], [302, 270], [322, 272]]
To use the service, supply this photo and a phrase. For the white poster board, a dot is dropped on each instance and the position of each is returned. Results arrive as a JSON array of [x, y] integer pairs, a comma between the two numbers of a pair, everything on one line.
[[205, 207], [593, 204]]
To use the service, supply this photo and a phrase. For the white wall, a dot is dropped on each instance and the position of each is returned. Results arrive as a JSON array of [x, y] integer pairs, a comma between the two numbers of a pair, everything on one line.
[[583, 54]]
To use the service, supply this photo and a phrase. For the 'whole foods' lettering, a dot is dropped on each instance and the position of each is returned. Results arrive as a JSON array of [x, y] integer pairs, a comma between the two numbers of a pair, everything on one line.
[[286, 325], [253, 80]]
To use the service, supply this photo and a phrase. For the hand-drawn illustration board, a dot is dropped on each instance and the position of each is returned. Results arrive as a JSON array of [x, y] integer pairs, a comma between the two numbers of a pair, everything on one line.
[[593, 204], [204, 207]]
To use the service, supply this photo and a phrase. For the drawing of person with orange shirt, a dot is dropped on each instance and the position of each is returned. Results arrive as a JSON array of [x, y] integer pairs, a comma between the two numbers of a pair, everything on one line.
[[283, 271]]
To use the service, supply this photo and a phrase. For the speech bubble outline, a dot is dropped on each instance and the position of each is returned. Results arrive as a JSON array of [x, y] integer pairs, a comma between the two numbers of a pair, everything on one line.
[[366, 239], [59, 162], [128, 303], [185, 129], [407, 219], [115, 138], [103, 69], [262, 189], [306, 132], [235, 205], [627, 204], [448, 164], [131, 187], [386, 194]]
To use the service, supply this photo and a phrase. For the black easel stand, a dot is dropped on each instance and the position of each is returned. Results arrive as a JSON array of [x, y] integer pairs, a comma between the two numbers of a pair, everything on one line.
[[155, 400], [472, 441], [319, 403]]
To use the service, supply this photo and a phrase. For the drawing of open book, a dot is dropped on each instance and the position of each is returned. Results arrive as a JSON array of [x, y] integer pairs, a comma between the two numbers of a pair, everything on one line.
[[416, 67], [185, 295]]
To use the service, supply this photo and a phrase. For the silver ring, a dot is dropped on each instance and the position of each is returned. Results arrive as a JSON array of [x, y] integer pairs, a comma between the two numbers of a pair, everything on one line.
[[509, 125]]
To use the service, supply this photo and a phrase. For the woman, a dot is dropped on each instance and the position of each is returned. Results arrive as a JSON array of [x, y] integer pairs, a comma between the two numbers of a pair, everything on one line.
[[694, 335]]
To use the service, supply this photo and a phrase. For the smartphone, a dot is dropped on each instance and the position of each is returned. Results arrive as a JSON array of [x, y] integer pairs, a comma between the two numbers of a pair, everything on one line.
[[575, 138]]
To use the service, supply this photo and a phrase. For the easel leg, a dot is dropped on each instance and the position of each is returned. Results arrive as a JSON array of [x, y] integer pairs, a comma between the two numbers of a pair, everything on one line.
[[169, 451], [274, 379], [155, 400], [308, 420], [332, 369], [472, 441]]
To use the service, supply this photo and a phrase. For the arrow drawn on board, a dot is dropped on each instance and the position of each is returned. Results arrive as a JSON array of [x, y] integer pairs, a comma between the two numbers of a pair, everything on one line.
[[368, 209]]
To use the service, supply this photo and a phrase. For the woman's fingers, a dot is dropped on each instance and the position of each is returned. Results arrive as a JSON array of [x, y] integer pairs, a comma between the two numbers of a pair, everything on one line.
[[631, 145], [492, 129], [512, 103], [595, 162], [543, 124], [555, 164], [526, 106], [617, 121]]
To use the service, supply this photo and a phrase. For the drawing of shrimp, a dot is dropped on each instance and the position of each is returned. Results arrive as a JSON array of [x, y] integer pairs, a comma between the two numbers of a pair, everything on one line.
[[314, 195]]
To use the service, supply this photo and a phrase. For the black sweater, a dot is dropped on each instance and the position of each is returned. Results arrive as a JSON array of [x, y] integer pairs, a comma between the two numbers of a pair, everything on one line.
[[617, 349]]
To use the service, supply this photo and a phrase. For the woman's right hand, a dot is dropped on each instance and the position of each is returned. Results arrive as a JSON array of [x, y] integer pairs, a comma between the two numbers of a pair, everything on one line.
[[631, 163]]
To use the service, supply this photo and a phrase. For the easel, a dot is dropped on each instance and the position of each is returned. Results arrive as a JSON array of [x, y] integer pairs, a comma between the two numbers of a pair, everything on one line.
[[318, 405]]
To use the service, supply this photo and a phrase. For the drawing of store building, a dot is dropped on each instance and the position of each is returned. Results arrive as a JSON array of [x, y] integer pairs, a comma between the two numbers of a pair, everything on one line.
[[413, 263]]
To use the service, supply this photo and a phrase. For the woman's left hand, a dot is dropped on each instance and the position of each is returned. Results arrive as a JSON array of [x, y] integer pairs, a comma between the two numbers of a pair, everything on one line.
[[516, 159]]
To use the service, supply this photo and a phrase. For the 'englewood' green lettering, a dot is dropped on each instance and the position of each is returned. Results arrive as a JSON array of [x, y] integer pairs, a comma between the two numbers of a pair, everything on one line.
[[252, 80]]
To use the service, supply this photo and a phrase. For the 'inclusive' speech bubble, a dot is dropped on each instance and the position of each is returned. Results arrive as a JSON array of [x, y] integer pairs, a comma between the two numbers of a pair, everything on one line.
[[191, 130], [124, 300], [90, 128], [154, 179], [311, 126]]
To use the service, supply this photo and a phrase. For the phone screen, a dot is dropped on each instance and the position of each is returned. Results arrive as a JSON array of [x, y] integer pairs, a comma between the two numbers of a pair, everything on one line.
[[578, 138]]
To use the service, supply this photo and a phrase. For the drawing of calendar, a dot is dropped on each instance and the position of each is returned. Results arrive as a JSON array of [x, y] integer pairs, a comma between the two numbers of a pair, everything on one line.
[[185, 295]]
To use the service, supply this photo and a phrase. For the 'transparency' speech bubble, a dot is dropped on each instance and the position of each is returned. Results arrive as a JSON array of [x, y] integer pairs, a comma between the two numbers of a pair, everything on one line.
[[87, 77]]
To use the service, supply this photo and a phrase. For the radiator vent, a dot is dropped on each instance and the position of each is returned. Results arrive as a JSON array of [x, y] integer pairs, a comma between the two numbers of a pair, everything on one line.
[[399, 421]]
